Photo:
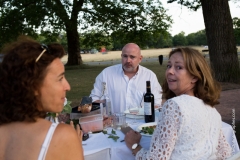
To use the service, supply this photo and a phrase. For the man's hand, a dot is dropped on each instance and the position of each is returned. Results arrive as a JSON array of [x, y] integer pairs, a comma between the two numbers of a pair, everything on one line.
[[131, 138]]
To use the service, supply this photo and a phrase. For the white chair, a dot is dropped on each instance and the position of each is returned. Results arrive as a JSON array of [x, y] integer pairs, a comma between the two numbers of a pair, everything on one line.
[[235, 157]]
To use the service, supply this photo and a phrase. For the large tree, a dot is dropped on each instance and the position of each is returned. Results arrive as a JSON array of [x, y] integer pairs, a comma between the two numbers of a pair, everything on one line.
[[220, 37], [17, 16]]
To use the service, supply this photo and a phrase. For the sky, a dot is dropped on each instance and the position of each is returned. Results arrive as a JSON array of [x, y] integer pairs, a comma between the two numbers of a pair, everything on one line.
[[190, 21]]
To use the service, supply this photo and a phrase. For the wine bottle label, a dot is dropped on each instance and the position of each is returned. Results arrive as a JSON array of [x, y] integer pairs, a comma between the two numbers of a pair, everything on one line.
[[108, 107], [147, 108]]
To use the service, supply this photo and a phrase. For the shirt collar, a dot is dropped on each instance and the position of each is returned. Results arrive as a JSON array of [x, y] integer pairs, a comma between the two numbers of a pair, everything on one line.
[[139, 70]]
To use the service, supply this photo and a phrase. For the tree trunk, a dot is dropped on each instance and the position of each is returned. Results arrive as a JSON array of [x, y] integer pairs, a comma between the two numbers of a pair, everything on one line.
[[74, 56], [221, 42]]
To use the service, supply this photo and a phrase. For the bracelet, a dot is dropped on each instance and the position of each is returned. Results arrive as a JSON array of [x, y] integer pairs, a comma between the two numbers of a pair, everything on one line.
[[135, 149]]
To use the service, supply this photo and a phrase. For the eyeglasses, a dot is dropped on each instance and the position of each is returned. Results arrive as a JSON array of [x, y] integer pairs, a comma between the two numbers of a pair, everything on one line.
[[45, 48]]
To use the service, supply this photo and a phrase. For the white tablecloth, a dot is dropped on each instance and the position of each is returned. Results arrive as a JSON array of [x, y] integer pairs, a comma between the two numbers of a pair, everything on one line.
[[119, 150], [95, 143]]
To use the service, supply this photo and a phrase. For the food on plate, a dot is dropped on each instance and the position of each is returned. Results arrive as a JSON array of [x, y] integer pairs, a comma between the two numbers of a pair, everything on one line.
[[148, 129]]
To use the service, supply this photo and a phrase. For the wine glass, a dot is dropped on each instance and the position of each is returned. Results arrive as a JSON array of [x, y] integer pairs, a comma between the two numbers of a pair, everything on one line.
[[119, 120]]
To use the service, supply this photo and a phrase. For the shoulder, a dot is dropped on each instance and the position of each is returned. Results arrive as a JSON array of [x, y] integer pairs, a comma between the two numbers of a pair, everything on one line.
[[147, 72], [113, 68], [179, 101], [186, 99], [66, 133], [65, 143]]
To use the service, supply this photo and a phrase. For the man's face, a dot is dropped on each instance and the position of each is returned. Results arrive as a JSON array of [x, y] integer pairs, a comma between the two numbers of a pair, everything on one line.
[[131, 58]]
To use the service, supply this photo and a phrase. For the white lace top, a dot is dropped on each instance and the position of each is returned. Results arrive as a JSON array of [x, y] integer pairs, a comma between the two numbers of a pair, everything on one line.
[[188, 130]]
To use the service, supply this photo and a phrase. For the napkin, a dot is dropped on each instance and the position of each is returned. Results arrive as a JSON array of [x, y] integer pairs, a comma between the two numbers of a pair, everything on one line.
[[95, 143]]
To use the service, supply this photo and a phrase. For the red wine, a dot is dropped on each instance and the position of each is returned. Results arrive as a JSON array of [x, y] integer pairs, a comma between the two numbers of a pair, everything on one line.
[[149, 104]]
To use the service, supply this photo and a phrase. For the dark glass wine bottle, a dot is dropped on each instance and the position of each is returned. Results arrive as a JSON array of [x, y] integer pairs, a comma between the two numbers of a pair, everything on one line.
[[149, 114]]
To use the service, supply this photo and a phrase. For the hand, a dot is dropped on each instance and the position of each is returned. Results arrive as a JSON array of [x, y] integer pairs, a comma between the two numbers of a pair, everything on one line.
[[79, 132], [132, 137]]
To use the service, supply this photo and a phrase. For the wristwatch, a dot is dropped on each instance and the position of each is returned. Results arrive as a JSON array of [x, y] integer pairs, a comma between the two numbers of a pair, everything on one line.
[[134, 146]]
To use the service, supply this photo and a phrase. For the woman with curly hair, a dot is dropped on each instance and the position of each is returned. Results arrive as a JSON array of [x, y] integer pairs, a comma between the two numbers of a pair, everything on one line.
[[190, 126], [32, 83]]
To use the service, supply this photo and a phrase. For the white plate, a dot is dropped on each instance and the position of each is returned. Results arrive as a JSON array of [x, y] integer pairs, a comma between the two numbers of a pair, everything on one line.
[[140, 115], [139, 128]]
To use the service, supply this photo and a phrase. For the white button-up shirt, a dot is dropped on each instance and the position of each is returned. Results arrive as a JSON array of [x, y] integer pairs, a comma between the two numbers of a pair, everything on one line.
[[124, 92]]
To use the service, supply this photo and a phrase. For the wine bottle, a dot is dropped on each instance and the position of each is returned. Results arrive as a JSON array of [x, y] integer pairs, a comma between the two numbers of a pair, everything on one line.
[[149, 114], [107, 110]]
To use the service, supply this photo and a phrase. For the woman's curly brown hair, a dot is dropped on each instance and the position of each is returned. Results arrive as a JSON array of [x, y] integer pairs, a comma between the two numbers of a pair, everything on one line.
[[21, 76], [206, 87]]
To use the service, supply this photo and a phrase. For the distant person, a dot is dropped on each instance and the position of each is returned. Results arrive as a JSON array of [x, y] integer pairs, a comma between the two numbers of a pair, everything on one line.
[[32, 84], [126, 82], [190, 127], [103, 50], [160, 59]]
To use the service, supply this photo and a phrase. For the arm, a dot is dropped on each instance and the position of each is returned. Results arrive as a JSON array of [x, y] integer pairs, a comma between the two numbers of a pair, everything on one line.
[[223, 149], [165, 134], [96, 92]]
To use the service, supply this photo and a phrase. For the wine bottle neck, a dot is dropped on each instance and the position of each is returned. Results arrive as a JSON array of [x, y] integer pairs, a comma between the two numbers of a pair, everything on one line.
[[148, 89]]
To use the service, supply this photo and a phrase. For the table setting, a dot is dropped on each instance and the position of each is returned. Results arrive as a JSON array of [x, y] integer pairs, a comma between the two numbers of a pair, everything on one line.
[[106, 141], [118, 150]]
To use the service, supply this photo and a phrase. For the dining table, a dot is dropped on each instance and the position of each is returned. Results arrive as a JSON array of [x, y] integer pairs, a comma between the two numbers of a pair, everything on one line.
[[100, 147]]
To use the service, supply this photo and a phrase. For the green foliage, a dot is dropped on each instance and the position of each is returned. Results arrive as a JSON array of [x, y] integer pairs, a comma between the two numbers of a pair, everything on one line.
[[29, 17], [67, 108], [180, 39], [236, 27], [145, 39], [113, 135], [199, 38], [115, 138], [147, 130], [191, 4], [94, 39]]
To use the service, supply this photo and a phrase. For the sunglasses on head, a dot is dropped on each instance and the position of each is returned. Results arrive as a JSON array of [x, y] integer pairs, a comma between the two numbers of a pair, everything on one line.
[[45, 48]]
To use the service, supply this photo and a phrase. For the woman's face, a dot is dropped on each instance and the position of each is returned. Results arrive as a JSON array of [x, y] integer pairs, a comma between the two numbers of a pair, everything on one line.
[[53, 91], [178, 78]]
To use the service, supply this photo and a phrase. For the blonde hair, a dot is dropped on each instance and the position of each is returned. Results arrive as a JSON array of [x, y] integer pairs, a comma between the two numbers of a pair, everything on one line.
[[207, 88]]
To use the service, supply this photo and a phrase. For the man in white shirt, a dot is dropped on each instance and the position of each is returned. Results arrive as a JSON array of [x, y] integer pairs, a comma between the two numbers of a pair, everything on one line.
[[126, 82]]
